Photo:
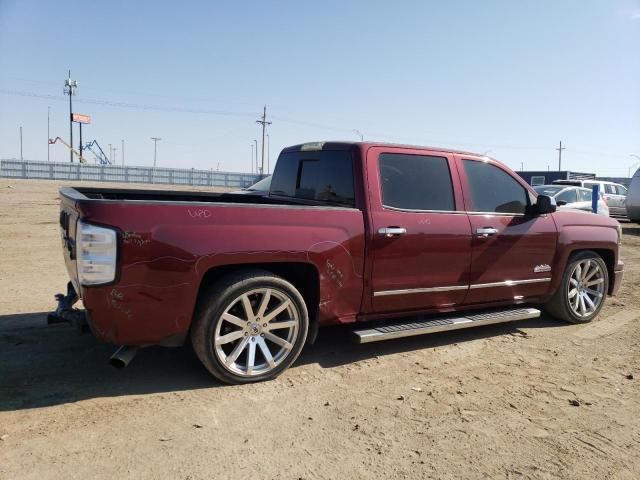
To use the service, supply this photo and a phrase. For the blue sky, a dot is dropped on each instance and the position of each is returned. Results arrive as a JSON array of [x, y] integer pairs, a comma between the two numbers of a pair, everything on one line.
[[510, 78]]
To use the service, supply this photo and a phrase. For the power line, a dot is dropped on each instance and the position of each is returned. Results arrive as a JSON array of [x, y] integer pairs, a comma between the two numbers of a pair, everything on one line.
[[135, 106], [392, 138]]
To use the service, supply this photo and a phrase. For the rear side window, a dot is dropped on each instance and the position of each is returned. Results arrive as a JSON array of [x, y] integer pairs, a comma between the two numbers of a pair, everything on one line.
[[493, 189], [608, 188], [323, 176], [416, 182]]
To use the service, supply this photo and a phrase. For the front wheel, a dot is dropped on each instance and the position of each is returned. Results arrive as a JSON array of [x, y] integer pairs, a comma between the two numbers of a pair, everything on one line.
[[249, 327], [582, 292]]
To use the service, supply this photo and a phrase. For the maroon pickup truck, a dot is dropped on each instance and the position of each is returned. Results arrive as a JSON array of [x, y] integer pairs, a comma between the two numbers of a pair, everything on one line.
[[400, 240]]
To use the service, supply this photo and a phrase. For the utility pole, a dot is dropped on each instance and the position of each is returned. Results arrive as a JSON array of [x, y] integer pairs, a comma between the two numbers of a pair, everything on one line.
[[122, 152], [268, 154], [264, 123], [256, 142], [20, 142], [70, 89], [48, 134], [560, 149], [115, 159], [110, 155], [155, 149]]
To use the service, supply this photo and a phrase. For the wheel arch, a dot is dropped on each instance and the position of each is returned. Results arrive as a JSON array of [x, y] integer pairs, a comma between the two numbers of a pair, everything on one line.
[[607, 255], [304, 276]]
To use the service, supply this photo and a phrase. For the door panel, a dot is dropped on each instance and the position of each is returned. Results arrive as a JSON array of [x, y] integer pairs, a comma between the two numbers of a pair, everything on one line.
[[426, 266], [520, 251], [512, 251], [431, 261]]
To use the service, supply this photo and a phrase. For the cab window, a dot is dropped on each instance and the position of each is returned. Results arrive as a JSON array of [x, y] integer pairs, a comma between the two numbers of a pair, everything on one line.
[[493, 189], [416, 182]]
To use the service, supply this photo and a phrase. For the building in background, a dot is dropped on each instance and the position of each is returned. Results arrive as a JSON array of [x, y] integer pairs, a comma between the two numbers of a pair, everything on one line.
[[546, 177]]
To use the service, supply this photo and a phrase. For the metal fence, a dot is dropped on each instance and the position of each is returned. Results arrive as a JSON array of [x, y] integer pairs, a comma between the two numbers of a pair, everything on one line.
[[124, 174]]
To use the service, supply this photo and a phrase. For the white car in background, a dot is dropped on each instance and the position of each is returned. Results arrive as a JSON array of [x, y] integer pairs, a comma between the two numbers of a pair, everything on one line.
[[571, 197], [614, 193]]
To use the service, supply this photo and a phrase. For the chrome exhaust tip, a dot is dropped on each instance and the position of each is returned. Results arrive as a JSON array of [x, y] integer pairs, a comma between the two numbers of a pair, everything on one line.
[[123, 356]]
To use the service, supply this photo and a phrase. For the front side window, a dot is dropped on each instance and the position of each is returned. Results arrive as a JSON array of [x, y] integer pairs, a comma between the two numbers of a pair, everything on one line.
[[621, 190], [568, 196], [416, 182], [323, 176], [493, 189], [610, 189]]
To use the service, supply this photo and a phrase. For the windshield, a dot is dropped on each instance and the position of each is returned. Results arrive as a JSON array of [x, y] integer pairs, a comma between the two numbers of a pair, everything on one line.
[[548, 190]]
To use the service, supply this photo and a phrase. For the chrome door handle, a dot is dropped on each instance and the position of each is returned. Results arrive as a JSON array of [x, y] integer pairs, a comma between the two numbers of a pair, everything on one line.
[[486, 232], [392, 231]]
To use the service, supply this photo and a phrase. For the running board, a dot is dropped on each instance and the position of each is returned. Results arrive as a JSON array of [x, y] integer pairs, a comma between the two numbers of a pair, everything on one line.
[[433, 325]]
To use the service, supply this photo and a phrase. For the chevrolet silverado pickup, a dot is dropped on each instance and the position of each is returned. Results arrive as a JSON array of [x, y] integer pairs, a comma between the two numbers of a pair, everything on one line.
[[396, 240]]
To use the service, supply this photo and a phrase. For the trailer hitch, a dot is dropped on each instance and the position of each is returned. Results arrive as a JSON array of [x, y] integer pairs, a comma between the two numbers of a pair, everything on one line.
[[65, 313]]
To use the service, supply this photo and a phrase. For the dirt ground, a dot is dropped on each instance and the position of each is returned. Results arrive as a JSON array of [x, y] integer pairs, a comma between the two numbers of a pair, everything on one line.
[[534, 399]]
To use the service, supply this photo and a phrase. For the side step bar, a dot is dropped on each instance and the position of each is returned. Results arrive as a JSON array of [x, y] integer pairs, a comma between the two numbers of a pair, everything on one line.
[[442, 324]]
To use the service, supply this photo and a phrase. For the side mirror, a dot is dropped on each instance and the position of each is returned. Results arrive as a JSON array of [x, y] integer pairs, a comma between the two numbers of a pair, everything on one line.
[[560, 203], [545, 204]]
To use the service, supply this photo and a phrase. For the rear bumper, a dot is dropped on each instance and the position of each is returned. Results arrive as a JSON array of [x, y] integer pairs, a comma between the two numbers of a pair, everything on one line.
[[616, 281]]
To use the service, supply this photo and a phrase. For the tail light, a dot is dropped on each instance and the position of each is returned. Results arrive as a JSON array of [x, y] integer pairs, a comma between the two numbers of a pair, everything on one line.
[[96, 254]]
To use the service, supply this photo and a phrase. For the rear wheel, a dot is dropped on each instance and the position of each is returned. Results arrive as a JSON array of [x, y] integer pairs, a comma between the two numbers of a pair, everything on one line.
[[582, 293], [250, 327]]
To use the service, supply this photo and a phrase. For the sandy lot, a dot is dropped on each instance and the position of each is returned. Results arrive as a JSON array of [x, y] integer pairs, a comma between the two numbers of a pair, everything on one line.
[[536, 399]]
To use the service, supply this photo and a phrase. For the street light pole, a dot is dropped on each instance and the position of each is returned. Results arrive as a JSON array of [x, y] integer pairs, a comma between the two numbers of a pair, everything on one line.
[[251, 158], [268, 154], [155, 149], [20, 142], [632, 166], [48, 133], [357, 132], [257, 170]]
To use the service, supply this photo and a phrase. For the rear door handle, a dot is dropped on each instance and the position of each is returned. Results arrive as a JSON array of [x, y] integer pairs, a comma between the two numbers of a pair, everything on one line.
[[392, 231], [486, 232]]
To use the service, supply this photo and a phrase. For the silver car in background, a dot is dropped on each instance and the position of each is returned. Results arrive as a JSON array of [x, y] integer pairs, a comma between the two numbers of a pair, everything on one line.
[[614, 193], [570, 197], [633, 198]]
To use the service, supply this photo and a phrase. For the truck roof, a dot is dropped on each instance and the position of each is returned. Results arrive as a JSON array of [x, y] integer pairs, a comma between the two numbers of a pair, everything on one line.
[[342, 145]]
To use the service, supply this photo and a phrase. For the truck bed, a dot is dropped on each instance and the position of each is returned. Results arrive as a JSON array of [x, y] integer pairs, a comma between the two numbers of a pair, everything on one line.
[[123, 194]]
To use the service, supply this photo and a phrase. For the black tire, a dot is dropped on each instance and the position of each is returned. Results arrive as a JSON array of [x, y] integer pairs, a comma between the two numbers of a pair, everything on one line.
[[559, 307], [225, 294]]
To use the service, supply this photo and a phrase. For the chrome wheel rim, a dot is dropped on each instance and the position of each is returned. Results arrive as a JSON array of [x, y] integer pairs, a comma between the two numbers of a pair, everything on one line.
[[256, 332], [586, 288]]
